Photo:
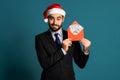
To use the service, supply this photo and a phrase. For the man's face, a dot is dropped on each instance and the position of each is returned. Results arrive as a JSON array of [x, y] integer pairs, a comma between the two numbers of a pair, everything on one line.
[[55, 21]]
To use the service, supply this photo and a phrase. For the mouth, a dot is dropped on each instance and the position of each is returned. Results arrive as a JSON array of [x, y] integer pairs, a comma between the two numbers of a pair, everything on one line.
[[54, 25]]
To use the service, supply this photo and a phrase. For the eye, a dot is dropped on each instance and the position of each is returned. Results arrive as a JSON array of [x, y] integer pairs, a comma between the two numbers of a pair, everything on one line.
[[59, 18], [51, 18]]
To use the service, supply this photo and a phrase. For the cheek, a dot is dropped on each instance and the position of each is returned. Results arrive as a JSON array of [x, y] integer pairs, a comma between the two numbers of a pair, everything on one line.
[[61, 23], [50, 22]]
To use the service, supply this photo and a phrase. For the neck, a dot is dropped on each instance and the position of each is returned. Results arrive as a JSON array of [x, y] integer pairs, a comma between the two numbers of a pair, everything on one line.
[[55, 31]]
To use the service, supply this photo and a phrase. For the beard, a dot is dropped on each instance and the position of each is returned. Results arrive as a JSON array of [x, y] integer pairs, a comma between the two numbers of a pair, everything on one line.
[[54, 27]]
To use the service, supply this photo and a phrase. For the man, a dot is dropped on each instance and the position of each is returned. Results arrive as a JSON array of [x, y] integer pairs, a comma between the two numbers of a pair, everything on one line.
[[55, 51]]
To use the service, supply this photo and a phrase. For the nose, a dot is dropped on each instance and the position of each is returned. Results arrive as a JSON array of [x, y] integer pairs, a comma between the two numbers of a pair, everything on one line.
[[54, 21]]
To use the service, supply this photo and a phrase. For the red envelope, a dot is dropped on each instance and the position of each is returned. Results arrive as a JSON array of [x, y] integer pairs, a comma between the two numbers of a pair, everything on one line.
[[75, 31]]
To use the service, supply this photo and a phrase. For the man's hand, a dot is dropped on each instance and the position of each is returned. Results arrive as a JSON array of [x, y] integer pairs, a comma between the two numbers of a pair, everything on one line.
[[86, 44], [66, 44]]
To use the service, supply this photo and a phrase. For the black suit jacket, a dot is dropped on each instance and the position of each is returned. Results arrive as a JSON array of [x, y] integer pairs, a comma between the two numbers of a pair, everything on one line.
[[56, 65]]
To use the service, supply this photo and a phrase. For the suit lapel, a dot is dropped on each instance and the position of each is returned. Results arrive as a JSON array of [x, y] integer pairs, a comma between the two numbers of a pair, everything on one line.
[[64, 34], [50, 39]]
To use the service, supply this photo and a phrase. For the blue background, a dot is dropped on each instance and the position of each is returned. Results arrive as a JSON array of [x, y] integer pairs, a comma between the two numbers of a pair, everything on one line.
[[21, 20]]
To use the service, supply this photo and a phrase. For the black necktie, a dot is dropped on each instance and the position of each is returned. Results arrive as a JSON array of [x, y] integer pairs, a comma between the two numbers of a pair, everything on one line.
[[57, 40]]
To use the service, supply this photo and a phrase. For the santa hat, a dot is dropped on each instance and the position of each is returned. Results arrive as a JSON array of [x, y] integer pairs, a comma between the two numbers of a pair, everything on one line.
[[53, 9]]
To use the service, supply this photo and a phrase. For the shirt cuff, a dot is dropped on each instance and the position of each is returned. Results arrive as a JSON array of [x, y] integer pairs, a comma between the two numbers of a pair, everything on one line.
[[64, 52]]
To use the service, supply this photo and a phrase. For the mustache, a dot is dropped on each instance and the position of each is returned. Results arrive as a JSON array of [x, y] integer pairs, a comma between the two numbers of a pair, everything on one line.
[[54, 25]]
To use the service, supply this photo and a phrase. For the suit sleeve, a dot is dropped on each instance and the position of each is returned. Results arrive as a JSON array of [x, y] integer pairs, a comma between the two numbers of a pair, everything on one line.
[[79, 57], [46, 60]]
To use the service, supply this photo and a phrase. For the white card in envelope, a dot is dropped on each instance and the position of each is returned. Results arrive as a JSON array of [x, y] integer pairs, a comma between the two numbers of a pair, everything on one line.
[[75, 31]]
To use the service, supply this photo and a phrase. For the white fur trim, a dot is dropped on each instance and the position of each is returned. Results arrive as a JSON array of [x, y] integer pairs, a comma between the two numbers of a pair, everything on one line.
[[46, 20], [56, 11]]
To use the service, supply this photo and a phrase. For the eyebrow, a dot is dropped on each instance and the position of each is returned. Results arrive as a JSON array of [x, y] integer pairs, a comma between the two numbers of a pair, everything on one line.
[[59, 17]]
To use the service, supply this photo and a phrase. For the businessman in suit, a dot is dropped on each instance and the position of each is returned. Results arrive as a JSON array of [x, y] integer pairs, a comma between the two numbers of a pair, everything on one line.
[[55, 50]]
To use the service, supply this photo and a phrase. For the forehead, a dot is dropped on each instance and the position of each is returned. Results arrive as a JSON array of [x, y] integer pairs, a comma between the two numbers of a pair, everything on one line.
[[56, 15]]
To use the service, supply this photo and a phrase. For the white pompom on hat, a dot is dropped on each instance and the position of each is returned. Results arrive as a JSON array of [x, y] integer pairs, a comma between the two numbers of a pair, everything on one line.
[[53, 9]]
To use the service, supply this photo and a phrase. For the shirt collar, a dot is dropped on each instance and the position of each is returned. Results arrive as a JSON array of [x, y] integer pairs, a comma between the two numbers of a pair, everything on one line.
[[59, 32]]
